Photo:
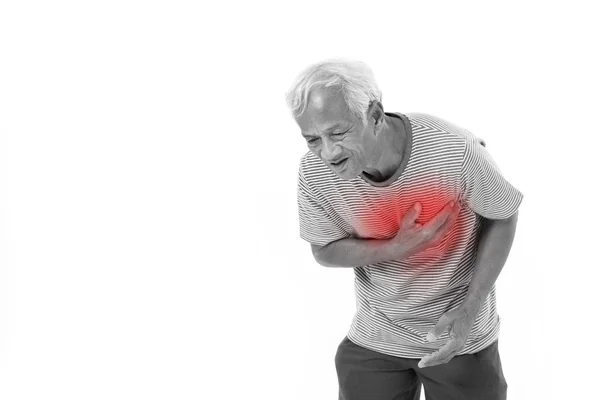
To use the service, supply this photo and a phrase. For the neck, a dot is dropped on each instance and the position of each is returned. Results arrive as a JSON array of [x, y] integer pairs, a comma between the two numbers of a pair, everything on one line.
[[391, 150]]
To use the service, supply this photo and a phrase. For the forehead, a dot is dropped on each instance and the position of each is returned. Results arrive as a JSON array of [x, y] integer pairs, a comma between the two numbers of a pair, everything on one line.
[[325, 108]]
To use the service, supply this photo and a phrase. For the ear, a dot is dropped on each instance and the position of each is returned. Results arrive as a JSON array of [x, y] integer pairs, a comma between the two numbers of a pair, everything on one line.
[[376, 115]]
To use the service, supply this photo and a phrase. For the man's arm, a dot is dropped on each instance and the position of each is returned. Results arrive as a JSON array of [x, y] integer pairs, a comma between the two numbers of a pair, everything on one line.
[[410, 239], [353, 252], [494, 246]]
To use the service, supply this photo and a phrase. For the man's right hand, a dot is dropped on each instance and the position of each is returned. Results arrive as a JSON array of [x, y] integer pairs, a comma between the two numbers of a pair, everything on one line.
[[413, 238]]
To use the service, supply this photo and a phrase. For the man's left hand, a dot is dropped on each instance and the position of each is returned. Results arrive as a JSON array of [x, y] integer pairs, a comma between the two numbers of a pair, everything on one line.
[[459, 322]]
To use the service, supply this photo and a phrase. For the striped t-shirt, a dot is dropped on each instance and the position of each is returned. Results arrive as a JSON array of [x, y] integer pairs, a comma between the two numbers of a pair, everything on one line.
[[399, 302]]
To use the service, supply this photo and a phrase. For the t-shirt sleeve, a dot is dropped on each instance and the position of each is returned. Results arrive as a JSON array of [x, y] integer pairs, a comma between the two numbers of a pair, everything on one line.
[[484, 189], [316, 226]]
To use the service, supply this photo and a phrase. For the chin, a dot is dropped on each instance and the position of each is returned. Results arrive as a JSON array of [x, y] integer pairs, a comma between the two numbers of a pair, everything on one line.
[[346, 176]]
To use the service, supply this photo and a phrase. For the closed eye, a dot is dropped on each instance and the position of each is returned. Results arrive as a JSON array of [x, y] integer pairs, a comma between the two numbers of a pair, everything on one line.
[[339, 133], [314, 140]]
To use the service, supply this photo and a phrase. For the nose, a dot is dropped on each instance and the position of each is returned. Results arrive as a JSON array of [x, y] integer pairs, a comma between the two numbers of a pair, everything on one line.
[[331, 151]]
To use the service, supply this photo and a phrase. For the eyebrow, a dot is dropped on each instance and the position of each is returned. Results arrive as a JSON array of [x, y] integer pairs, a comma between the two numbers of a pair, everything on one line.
[[332, 127]]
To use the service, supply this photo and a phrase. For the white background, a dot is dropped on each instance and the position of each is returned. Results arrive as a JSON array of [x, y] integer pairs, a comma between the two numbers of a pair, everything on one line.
[[149, 232]]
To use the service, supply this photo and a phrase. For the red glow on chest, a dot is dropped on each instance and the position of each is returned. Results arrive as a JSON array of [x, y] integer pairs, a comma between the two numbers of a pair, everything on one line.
[[381, 214]]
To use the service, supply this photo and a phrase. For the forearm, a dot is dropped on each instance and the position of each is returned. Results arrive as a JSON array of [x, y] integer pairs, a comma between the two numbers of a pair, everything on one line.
[[353, 252], [494, 246]]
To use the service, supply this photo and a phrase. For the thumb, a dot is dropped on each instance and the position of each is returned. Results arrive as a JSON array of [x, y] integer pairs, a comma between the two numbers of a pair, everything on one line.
[[412, 214], [438, 329]]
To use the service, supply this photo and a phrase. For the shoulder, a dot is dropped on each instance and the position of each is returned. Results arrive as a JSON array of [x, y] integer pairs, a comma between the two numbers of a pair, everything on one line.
[[313, 173], [311, 165], [432, 123], [437, 123]]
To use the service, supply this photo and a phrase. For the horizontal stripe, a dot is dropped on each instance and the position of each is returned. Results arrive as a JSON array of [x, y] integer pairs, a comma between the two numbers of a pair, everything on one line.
[[399, 301]]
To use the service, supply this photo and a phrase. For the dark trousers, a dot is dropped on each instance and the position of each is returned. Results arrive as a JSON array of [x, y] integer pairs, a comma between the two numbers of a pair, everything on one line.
[[367, 375]]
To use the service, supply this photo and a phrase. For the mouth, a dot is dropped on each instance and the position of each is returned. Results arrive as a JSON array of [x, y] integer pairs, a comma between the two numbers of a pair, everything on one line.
[[339, 163]]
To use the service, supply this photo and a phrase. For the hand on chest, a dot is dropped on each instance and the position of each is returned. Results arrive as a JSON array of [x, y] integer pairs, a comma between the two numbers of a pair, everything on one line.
[[379, 213]]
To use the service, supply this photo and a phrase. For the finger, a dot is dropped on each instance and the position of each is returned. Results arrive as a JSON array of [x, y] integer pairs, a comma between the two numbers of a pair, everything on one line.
[[428, 359], [431, 362], [425, 362], [411, 215], [438, 329], [452, 334], [452, 218], [441, 217], [456, 210], [434, 359], [441, 354], [451, 346], [447, 225]]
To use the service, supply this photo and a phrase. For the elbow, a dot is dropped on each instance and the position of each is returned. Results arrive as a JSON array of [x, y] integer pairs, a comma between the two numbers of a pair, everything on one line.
[[318, 255], [323, 263]]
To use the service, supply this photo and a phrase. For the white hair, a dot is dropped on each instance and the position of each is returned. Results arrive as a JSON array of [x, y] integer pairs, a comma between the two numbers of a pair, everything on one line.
[[354, 79]]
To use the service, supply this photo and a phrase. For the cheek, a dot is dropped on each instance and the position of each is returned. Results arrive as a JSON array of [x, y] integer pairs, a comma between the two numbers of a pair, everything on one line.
[[359, 153], [356, 164]]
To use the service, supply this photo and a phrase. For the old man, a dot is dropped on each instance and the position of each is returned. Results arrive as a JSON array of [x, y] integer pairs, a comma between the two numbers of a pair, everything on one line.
[[421, 212]]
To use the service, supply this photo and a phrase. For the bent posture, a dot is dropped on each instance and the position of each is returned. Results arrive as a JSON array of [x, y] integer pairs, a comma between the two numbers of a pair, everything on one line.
[[420, 211]]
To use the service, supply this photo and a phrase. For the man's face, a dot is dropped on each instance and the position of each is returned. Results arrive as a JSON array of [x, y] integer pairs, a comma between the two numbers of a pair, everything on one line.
[[336, 136]]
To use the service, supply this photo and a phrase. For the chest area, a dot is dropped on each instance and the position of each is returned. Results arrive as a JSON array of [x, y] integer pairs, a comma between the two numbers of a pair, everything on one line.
[[376, 213]]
